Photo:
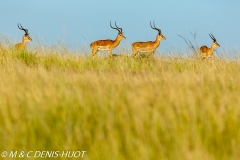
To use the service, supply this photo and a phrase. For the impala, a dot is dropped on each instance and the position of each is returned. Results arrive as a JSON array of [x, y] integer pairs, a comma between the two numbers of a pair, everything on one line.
[[107, 44], [149, 46], [207, 52], [25, 39]]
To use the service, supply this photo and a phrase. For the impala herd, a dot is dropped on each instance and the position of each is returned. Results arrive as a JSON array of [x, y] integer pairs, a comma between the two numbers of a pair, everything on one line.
[[137, 47]]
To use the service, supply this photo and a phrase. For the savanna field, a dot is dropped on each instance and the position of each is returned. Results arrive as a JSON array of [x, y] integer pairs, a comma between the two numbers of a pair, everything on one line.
[[120, 108]]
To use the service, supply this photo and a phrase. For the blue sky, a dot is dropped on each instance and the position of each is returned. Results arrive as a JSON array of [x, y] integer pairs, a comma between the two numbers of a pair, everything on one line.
[[79, 22]]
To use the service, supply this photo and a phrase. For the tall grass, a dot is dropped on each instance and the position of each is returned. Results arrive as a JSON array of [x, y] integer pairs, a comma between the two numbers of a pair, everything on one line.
[[120, 108]]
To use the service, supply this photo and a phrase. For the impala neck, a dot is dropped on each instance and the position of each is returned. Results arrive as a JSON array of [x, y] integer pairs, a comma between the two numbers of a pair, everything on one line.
[[157, 42], [117, 40], [212, 47], [24, 42]]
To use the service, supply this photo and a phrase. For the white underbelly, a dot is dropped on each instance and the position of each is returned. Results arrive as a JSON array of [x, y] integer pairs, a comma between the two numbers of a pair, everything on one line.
[[103, 49], [145, 51]]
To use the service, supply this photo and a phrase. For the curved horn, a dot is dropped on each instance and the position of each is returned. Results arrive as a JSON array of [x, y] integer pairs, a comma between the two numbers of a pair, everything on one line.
[[154, 27], [113, 27], [213, 38], [119, 29], [25, 30]]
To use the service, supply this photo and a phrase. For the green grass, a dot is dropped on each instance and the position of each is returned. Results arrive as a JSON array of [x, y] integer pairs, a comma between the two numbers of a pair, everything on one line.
[[120, 108]]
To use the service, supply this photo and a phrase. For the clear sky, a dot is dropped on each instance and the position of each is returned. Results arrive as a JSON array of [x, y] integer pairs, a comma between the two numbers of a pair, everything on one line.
[[79, 22]]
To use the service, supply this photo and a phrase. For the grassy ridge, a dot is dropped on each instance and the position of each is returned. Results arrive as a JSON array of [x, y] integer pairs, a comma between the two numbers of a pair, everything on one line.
[[120, 108]]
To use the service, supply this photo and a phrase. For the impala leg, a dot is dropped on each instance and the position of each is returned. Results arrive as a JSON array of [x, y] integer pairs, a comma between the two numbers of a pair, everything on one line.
[[94, 51], [109, 53], [151, 54], [209, 57], [134, 52], [203, 57]]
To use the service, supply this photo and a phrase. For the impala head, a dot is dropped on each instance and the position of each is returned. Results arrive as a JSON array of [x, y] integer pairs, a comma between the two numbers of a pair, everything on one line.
[[26, 37], [120, 33], [214, 41], [159, 31]]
